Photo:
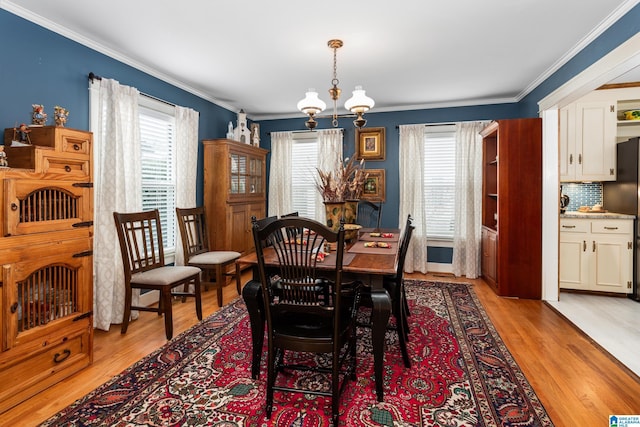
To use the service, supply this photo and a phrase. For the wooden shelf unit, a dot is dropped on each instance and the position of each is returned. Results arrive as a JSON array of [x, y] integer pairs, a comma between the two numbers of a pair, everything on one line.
[[512, 207], [234, 191]]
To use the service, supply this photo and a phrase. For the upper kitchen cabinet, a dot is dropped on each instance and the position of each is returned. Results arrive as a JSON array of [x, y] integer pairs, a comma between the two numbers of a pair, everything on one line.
[[590, 128]]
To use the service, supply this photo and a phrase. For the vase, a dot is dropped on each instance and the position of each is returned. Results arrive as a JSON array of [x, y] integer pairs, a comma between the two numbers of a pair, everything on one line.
[[334, 212], [350, 211]]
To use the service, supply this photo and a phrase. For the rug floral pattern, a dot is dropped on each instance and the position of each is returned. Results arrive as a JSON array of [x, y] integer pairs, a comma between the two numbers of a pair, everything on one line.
[[461, 375]]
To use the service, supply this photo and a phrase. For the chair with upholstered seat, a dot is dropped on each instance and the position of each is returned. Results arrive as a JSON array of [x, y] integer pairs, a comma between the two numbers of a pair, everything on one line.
[[306, 311], [369, 214], [215, 264], [140, 238]]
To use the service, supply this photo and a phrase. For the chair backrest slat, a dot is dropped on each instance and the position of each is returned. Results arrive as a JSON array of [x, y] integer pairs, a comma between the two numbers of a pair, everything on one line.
[[296, 243], [193, 231], [140, 237]]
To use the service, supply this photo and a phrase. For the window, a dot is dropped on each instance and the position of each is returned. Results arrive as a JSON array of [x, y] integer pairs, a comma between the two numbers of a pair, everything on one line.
[[304, 159], [157, 137], [439, 181]]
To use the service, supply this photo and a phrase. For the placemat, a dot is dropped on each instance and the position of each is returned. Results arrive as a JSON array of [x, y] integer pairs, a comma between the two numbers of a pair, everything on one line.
[[359, 248], [365, 236]]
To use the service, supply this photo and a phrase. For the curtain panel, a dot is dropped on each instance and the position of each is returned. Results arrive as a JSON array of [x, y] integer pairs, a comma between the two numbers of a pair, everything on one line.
[[411, 171], [468, 200], [117, 167]]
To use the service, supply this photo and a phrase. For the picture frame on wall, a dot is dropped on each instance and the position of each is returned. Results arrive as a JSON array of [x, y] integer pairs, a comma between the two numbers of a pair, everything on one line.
[[374, 185], [370, 143]]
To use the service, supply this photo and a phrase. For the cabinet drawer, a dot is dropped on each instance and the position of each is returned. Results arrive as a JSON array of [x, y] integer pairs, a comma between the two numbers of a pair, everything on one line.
[[43, 369], [612, 226], [75, 142], [76, 167], [574, 225]]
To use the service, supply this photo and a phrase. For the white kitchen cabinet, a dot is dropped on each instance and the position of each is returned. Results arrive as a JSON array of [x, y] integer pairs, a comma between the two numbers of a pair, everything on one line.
[[588, 141], [596, 254]]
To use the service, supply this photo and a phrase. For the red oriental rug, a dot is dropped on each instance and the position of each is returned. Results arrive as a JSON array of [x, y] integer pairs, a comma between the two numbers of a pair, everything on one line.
[[461, 375]]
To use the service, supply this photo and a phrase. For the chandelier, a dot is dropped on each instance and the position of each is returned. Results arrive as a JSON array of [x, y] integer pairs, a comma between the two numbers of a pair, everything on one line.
[[358, 104]]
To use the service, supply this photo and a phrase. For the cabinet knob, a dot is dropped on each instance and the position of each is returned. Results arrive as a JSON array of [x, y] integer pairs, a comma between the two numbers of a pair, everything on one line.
[[76, 147], [579, 159], [593, 248], [67, 168], [14, 207], [584, 246]]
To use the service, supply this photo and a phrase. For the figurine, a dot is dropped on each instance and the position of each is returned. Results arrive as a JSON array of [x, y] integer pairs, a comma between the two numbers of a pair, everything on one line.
[[255, 134], [21, 134], [230, 131], [38, 116], [60, 115], [3, 158], [241, 133]]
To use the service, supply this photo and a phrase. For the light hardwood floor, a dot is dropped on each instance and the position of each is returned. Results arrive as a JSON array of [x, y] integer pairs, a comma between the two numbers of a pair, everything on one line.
[[578, 383]]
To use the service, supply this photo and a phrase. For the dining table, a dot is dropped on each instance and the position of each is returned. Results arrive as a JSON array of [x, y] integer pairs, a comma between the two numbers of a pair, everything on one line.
[[368, 259]]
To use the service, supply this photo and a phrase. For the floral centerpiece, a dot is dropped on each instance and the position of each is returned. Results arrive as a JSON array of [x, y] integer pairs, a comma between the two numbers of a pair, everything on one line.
[[341, 189]]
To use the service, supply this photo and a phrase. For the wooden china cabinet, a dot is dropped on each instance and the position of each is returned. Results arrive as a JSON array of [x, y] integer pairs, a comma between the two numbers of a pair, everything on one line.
[[46, 322], [234, 191], [512, 207]]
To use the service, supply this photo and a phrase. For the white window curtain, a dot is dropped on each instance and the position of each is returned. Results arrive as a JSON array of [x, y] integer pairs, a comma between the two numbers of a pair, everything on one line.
[[117, 172], [411, 161], [468, 200], [329, 158], [280, 197], [186, 164]]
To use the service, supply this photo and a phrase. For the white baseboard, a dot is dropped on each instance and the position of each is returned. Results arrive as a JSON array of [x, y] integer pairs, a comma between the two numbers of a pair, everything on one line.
[[437, 267], [149, 298]]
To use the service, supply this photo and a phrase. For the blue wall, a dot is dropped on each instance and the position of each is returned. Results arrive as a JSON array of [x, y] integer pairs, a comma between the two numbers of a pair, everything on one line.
[[38, 66]]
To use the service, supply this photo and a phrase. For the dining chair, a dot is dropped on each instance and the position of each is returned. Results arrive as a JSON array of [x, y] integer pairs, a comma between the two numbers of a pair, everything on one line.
[[198, 253], [369, 214], [395, 286], [140, 237], [306, 311]]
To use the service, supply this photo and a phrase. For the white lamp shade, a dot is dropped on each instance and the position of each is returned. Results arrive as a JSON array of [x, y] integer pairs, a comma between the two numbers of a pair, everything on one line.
[[359, 102], [311, 104]]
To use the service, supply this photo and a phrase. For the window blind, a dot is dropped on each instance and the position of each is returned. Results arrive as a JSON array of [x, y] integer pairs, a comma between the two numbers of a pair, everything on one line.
[[304, 160], [158, 170], [439, 182]]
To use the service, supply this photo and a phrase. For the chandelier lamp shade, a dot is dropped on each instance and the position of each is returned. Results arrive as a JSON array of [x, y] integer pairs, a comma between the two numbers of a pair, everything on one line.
[[358, 104]]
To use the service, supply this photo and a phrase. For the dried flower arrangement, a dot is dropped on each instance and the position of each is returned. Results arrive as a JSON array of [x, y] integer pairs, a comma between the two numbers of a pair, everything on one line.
[[344, 184]]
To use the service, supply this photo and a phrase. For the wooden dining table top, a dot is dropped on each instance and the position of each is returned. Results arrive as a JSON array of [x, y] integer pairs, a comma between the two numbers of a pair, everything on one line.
[[376, 263]]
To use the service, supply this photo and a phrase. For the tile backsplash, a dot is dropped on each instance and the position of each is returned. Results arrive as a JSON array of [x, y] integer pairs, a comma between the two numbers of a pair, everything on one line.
[[582, 194]]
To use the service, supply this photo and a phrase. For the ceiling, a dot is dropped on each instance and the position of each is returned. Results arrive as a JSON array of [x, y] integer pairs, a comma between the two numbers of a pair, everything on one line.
[[407, 54]]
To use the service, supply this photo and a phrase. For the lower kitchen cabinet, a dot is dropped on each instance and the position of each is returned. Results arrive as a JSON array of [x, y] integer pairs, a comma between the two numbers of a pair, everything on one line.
[[596, 254]]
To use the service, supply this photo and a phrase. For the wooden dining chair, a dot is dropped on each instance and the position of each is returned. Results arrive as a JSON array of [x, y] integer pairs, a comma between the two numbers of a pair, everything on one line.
[[306, 311], [395, 286], [369, 214], [140, 238], [198, 253]]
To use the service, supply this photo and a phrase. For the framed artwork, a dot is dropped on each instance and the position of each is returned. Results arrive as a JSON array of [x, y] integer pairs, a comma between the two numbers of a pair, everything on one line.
[[374, 185], [370, 144]]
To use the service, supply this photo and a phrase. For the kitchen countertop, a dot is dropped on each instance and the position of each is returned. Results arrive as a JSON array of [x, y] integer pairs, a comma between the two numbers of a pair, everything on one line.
[[604, 215]]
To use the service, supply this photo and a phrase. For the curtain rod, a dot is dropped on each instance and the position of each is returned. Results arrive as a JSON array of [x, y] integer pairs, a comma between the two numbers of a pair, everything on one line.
[[435, 124], [306, 131], [93, 77]]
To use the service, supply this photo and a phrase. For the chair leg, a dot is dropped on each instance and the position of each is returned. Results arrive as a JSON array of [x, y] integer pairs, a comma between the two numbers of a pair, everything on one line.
[[165, 299], [220, 282], [239, 278], [402, 327], [197, 291], [271, 376], [127, 312], [335, 389]]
